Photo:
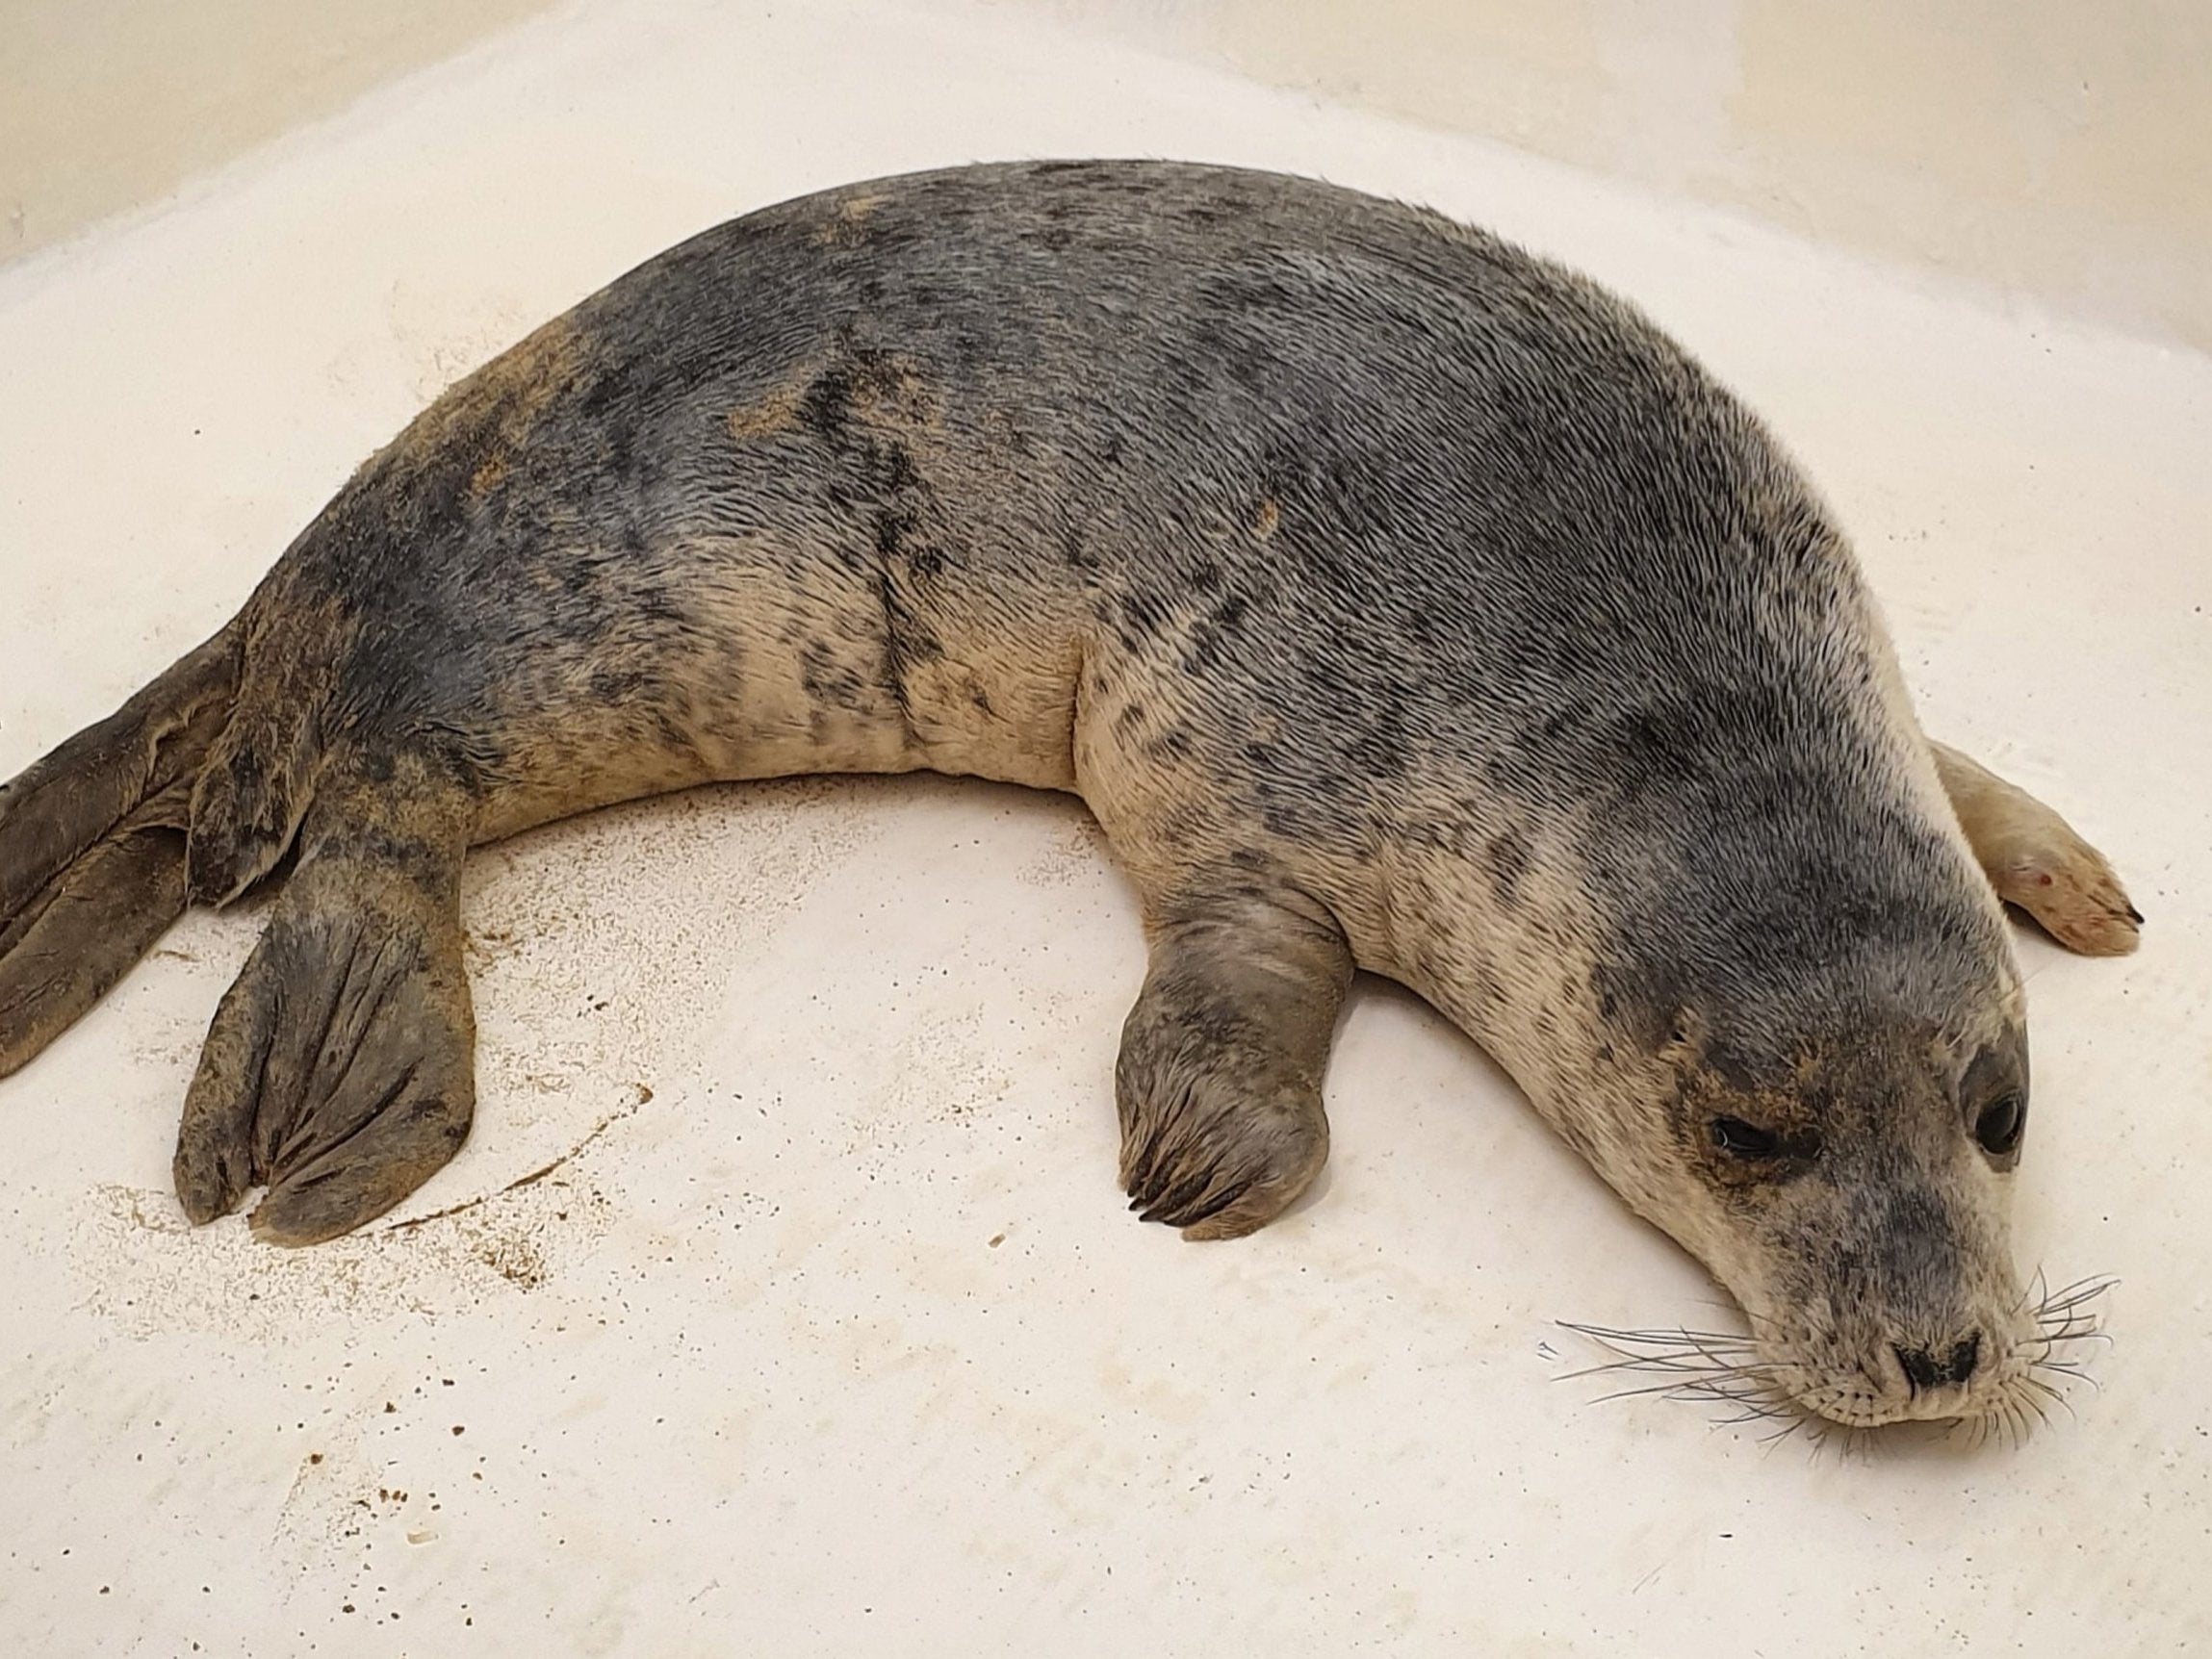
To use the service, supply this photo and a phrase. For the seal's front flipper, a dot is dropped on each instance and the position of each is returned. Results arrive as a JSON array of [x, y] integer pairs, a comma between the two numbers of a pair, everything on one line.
[[1219, 1082], [2034, 859], [340, 1068], [92, 848]]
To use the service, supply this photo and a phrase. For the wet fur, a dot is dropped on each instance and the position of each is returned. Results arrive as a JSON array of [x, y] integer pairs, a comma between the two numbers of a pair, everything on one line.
[[1394, 598]]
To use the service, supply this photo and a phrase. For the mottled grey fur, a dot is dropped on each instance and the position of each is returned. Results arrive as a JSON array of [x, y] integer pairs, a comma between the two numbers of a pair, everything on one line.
[[1394, 598]]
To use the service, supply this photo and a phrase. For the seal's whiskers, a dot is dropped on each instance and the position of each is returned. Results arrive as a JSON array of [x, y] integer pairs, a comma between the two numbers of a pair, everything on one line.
[[1706, 1368], [1727, 1369]]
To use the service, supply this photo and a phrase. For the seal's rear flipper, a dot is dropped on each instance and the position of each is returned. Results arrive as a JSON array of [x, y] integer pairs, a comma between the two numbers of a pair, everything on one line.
[[92, 848], [86, 932], [340, 1068]]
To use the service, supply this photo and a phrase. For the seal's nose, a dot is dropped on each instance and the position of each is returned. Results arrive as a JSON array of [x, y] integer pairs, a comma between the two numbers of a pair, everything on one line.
[[1924, 1371]]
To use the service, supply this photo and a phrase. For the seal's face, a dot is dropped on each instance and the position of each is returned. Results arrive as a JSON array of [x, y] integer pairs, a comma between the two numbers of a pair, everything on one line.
[[1854, 1197], [1852, 1190]]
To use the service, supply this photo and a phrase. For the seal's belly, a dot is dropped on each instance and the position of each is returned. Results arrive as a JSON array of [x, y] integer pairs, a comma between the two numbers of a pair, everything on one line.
[[876, 669], [775, 661]]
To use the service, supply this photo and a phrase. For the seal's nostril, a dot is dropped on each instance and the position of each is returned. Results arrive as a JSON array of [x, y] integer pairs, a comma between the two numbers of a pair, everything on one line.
[[1921, 1368], [1965, 1356]]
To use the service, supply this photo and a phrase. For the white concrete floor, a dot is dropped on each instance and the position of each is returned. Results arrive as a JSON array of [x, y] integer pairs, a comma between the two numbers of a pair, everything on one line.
[[826, 1334]]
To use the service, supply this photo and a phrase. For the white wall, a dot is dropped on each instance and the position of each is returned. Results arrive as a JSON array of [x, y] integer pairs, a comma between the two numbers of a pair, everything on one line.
[[106, 105], [2056, 150]]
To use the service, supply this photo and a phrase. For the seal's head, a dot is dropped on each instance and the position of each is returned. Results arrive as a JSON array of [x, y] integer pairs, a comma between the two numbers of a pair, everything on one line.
[[1840, 1153], [1853, 1192], [1812, 1073]]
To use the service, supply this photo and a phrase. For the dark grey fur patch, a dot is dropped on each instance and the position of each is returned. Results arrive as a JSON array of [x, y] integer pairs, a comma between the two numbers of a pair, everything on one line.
[[1508, 857]]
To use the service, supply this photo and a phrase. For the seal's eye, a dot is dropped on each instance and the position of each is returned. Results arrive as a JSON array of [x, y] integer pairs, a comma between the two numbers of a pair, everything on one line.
[[1998, 1128], [1741, 1139]]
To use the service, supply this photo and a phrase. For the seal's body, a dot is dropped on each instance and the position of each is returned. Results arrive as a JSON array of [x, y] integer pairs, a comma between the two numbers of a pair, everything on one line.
[[1394, 598]]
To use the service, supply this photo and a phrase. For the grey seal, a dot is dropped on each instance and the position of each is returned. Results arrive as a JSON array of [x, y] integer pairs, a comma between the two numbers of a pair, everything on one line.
[[1396, 600]]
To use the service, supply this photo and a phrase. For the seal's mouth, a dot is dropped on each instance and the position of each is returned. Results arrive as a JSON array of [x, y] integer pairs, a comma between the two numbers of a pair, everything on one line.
[[1760, 1376]]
